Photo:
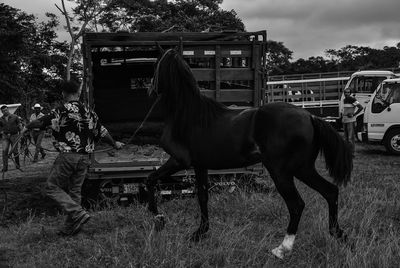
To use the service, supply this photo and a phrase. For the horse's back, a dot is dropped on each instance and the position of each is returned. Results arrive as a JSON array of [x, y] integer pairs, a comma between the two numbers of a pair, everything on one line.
[[280, 115], [284, 131]]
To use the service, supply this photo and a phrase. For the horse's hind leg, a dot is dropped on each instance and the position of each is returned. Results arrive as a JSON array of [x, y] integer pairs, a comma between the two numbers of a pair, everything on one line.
[[329, 191], [202, 195], [285, 185]]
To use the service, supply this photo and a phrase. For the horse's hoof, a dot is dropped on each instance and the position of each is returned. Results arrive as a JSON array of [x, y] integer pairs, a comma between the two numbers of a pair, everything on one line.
[[159, 222], [339, 235], [197, 236], [280, 252]]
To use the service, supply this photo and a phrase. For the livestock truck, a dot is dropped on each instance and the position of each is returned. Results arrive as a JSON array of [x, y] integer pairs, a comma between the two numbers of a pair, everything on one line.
[[118, 68]]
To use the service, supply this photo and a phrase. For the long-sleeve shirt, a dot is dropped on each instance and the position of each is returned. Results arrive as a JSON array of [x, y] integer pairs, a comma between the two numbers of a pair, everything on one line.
[[75, 127], [34, 117], [10, 124]]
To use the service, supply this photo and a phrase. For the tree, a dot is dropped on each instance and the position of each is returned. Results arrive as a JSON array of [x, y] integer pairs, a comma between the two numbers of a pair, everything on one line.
[[361, 58], [85, 13], [161, 15], [30, 58], [278, 58]]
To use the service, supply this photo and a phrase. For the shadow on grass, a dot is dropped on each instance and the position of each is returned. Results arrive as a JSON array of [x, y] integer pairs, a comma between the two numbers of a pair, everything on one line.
[[374, 151]]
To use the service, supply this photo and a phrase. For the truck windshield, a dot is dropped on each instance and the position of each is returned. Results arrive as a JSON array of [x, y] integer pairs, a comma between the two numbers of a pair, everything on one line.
[[365, 84], [386, 95]]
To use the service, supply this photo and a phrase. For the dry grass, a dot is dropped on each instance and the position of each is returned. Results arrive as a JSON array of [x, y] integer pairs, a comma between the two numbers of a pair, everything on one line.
[[244, 228]]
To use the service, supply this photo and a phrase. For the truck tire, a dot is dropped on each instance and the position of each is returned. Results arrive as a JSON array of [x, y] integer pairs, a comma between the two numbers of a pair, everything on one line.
[[392, 141]]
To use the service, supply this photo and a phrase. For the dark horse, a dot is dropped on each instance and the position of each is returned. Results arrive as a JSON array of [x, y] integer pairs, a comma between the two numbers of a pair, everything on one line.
[[204, 134]]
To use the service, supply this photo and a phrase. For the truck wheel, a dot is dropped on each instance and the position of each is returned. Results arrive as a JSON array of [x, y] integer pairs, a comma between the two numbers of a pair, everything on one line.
[[392, 141]]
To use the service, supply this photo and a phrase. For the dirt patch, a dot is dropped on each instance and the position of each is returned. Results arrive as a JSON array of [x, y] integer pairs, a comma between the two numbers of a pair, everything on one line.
[[4, 257], [22, 191]]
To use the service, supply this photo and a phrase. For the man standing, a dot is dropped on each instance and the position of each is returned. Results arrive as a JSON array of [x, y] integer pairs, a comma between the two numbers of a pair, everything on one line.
[[10, 126], [349, 117], [37, 133], [76, 129]]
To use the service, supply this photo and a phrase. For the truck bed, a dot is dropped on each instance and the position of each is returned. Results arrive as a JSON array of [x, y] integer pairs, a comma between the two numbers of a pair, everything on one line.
[[130, 153]]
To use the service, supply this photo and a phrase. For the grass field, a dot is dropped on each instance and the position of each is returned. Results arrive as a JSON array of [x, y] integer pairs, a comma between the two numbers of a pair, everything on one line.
[[244, 228]]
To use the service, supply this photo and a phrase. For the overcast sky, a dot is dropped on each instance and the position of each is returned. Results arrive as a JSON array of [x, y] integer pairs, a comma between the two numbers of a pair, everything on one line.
[[306, 27]]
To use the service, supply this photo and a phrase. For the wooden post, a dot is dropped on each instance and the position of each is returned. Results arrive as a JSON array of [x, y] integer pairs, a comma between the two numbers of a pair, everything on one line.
[[217, 72], [256, 67]]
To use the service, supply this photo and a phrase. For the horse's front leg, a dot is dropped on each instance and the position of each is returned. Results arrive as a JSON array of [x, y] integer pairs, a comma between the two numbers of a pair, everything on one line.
[[167, 169], [202, 195]]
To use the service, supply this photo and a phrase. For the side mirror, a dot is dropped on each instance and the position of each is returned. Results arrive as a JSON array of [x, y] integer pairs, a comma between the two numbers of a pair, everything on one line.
[[389, 109]]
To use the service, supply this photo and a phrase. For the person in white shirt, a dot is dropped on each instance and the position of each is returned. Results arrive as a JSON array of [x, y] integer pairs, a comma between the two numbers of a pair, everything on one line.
[[36, 133], [351, 108]]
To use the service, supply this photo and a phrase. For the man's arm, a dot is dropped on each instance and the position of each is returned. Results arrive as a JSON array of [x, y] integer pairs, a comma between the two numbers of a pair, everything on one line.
[[109, 139], [359, 108], [102, 133], [31, 118], [106, 136], [40, 123], [19, 123]]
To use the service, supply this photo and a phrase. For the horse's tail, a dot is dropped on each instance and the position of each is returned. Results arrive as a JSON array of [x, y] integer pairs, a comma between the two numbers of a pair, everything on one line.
[[337, 152]]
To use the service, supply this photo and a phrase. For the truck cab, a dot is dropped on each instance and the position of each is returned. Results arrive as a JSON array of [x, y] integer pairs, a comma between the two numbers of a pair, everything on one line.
[[382, 116], [362, 85]]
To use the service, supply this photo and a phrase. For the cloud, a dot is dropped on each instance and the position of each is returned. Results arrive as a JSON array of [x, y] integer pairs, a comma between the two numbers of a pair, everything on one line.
[[309, 27], [39, 8]]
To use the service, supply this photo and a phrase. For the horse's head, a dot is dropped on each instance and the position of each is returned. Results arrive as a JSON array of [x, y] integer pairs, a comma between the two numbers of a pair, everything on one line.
[[154, 88], [171, 75]]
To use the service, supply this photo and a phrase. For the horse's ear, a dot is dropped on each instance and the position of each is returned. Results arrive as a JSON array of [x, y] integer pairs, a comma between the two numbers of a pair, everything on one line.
[[178, 49], [160, 49]]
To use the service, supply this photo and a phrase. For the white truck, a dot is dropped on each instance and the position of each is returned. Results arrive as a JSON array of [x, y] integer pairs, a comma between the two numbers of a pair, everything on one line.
[[362, 85], [382, 116], [322, 94], [11, 107]]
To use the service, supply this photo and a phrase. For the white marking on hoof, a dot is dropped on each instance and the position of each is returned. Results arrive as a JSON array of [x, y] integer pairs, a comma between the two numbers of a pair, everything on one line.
[[285, 248], [278, 252]]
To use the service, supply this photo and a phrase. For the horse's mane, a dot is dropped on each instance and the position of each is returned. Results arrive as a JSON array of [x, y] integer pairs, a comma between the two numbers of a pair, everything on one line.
[[185, 106]]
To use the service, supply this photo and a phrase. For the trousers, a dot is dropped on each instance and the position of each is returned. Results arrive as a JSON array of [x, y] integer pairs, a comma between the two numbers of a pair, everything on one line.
[[64, 183]]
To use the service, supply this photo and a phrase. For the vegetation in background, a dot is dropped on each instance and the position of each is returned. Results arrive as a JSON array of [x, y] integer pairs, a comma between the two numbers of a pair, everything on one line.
[[33, 60]]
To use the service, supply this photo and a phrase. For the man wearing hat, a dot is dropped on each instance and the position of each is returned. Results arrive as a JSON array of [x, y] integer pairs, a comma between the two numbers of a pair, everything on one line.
[[10, 126], [37, 133], [76, 128]]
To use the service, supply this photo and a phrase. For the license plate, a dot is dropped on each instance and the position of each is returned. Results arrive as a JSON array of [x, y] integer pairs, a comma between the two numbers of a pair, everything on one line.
[[131, 189], [165, 192]]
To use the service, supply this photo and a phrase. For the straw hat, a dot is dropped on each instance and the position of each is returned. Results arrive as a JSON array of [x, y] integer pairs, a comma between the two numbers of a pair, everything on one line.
[[37, 105]]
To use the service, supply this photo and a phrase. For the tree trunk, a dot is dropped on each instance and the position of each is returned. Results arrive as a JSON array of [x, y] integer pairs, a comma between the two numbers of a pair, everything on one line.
[[70, 58]]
